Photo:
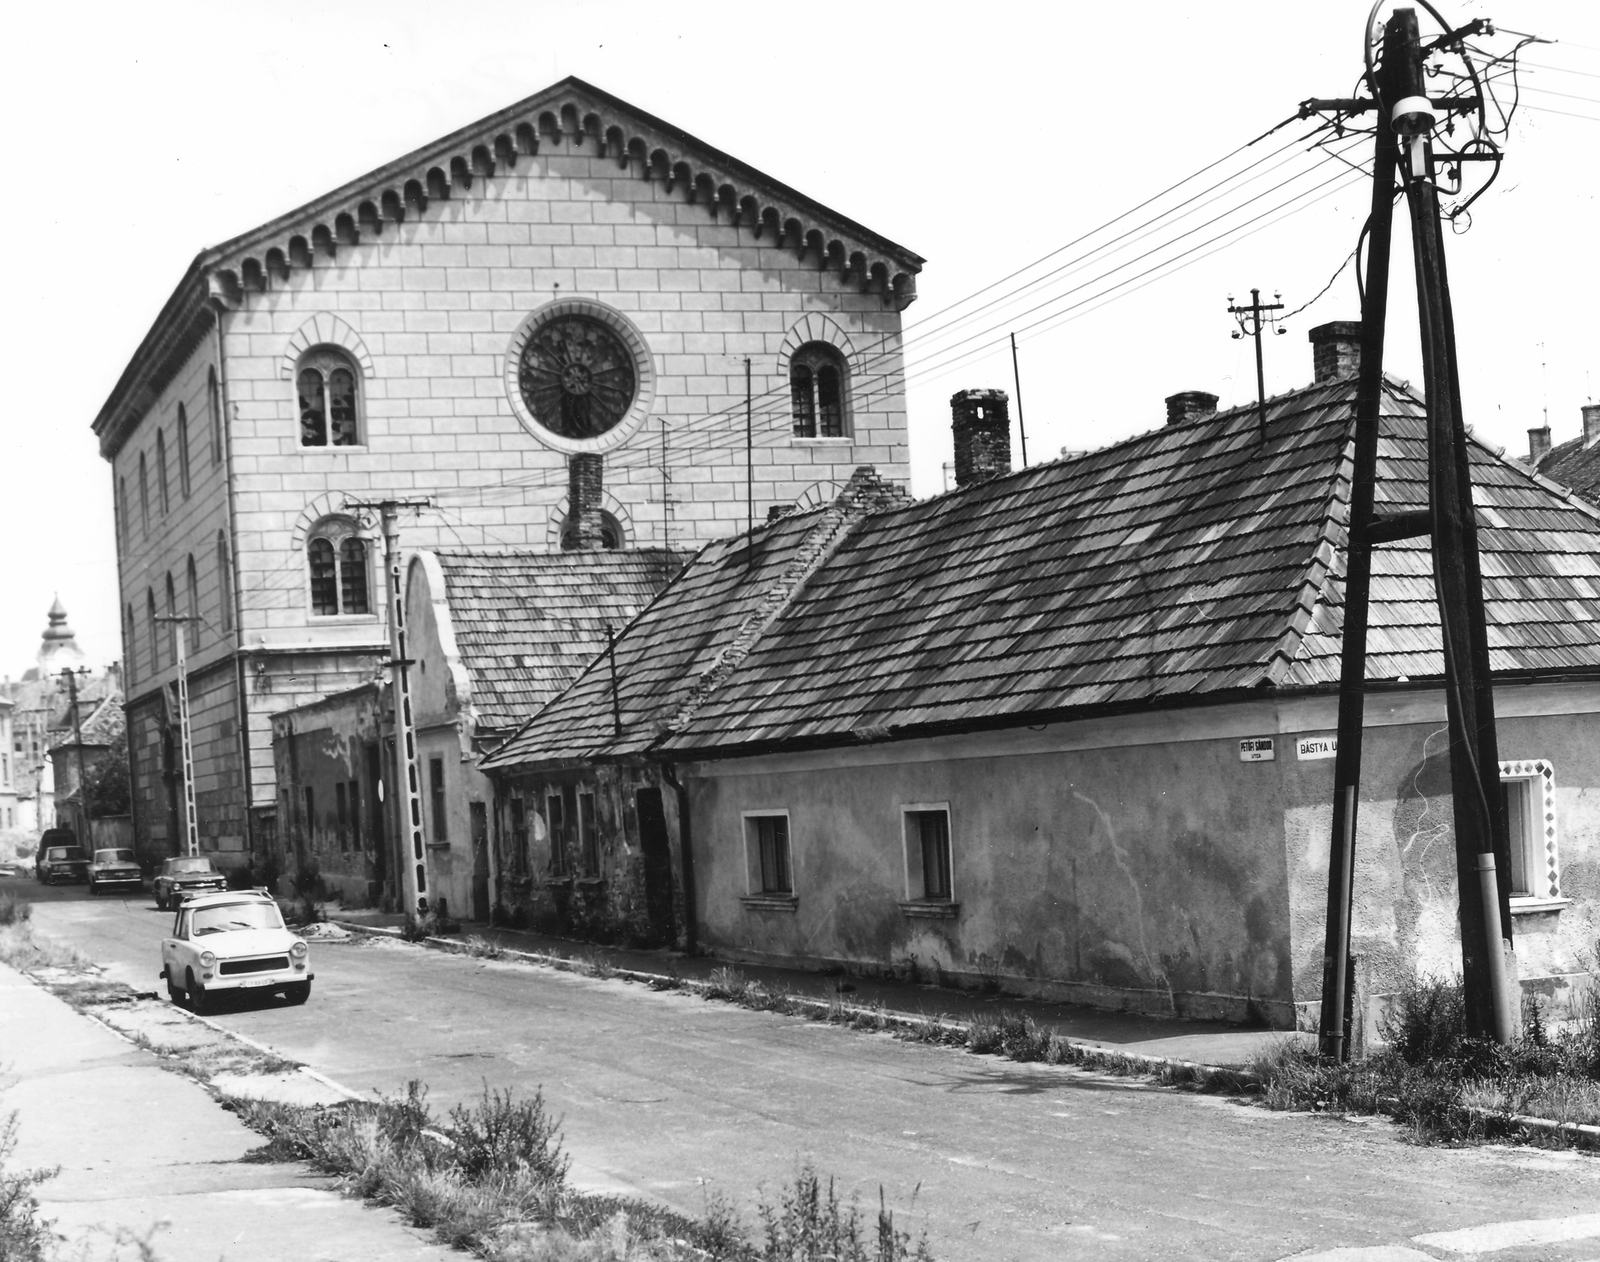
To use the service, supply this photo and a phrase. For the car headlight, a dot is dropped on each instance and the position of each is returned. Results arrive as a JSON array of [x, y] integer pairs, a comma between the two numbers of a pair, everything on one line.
[[207, 959], [299, 950]]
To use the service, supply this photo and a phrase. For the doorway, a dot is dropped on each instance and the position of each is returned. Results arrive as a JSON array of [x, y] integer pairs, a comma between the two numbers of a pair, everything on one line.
[[657, 855], [480, 861]]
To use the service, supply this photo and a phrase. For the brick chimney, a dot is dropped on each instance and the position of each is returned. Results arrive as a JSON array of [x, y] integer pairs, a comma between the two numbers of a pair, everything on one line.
[[1335, 350], [585, 490], [1591, 424], [981, 421], [1538, 444], [1190, 405]]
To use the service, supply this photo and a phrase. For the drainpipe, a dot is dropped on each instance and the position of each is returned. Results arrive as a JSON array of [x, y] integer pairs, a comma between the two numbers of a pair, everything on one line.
[[691, 938]]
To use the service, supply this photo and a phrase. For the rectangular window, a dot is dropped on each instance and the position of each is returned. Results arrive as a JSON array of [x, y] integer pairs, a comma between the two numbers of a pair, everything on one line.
[[356, 839], [588, 835], [1527, 789], [555, 815], [341, 811], [519, 835], [927, 843], [436, 792], [767, 836]]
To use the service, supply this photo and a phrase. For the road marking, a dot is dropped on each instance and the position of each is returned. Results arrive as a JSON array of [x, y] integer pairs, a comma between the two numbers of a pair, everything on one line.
[[1494, 1236]]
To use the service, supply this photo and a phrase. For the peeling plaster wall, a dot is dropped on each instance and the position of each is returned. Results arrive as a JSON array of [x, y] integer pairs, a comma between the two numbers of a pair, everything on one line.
[[1139, 862]]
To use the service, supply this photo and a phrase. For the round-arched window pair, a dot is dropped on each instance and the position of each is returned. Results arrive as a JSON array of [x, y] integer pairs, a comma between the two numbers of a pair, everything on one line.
[[817, 391], [327, 395], [337, 558]]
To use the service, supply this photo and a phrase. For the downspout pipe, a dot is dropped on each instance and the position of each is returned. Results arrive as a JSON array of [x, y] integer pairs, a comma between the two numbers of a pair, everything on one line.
[[691, 936]]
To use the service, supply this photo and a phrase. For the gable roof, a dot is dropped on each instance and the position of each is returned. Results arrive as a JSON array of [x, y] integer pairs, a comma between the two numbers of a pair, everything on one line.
[[526, 623], [1191, 564], [1576, 465], [644, 147]]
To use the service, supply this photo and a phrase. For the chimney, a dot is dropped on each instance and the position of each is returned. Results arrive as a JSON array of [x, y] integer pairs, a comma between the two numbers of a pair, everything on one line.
[[585, 488], [981, 421], [1190, 405], [1591, 424], [1335, 350], [1538, 444]]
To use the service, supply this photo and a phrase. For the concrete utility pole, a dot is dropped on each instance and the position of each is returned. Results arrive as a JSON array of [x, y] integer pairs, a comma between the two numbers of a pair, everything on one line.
[[1251, 324], [180, 636], [1405, 118], [415, 874]]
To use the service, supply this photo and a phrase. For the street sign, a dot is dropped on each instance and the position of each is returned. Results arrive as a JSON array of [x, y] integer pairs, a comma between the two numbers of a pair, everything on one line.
[[1309, 747], [1256, 749]]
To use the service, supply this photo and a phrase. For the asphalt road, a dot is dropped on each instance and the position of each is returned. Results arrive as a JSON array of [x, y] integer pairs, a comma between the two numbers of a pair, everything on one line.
[[671, 1097]]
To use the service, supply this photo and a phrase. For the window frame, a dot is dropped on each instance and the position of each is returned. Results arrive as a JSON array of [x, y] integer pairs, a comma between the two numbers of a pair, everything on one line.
[[144, 494], [555, 823], [588, 822], [336, 533], [810, 359], [324, 360], [163, 483], [517, 810], [918, 901], [185, 482], [759, 892], [1536, 843], [438, 803]]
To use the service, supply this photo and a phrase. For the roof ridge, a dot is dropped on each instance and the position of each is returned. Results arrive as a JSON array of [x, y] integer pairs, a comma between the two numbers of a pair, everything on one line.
[[862, 496]]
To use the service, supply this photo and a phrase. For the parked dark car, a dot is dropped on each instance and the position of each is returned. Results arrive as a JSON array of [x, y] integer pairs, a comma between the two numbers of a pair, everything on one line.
[[111, 868], [52, 837], [184, 877], [62, 863]]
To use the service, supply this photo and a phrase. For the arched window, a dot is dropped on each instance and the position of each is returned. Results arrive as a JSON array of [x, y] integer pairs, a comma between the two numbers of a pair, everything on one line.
[[154, 629], [130, 643], [192, 630], [337, 559], [329, 412], [121, 506], [144, 495], [172, 628], [214, 402], [224, 584], [183, 451], [161, 472], [818, 378]]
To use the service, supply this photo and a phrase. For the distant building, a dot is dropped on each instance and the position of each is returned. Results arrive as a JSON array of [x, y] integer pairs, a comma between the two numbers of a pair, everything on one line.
[[1574, 463], [545, 322]]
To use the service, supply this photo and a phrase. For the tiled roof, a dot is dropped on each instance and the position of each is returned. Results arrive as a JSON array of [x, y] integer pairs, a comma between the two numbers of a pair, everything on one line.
[[527, 622], [1192, 563], [1574, 465]]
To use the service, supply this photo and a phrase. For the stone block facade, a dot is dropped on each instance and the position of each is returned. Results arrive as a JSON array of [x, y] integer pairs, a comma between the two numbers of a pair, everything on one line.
[[411, 308]]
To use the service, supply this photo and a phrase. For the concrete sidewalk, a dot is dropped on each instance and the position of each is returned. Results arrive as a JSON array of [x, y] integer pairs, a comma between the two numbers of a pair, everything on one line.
[[1205, 1042], [145, 1152]]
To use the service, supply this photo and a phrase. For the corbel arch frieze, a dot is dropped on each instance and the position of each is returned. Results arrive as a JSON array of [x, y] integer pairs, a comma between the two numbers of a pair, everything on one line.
[[324, 329]]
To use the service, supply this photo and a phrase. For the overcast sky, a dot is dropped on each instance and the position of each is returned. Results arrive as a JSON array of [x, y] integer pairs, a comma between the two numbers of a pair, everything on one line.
[[983, 137]]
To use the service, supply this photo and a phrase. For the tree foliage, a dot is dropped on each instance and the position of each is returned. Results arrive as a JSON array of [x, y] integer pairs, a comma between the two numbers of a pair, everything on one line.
[[105, 783]]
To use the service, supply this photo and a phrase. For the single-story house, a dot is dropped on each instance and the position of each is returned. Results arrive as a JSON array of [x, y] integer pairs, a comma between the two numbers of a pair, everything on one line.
[[1068, 730]]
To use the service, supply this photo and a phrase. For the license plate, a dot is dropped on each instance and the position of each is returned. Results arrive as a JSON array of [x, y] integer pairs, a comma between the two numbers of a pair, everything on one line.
[[261, 981]]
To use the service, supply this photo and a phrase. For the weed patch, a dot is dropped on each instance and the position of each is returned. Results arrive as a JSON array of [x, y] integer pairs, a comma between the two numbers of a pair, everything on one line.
[[14, 910], [24, 1236]]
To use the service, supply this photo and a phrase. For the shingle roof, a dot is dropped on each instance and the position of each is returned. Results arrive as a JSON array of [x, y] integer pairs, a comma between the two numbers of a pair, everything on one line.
[[1192, 563], [1575, 465], [527, 622]]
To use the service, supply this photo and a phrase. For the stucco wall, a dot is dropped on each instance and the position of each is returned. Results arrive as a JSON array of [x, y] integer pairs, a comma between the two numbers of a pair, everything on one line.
[[1138, 861]]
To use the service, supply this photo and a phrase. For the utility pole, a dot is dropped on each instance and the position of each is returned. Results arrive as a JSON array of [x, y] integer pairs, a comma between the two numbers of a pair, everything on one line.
[[1251, 324], [616, 701], [1405, 118], [71, 676], [749, 467], [1016, 380], [180, 637], [415, 878]]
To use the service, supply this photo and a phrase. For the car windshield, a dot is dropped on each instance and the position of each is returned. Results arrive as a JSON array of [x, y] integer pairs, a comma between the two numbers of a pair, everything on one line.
[[62, 853], [220, 919], [113, 856], [186, 866]]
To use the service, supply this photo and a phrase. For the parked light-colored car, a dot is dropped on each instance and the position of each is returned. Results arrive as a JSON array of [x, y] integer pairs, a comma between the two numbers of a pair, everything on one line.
[[237, 941], [184, 877], [61, 863], [111, 868]]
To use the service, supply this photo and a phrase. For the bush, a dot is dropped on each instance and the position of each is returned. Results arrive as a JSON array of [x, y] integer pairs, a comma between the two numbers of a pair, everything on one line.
[[502, 1135], [1428, 1021], [24, 1236], [810, 1225]]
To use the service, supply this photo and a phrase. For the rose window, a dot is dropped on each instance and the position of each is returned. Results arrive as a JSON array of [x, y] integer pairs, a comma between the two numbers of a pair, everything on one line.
[[577, 377]]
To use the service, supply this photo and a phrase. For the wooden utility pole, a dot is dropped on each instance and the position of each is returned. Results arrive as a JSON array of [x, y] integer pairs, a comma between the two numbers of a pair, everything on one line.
[[1016, 381], [1483, 849], [1251, 324], [415, 882], [180, 637], [1482, 845]]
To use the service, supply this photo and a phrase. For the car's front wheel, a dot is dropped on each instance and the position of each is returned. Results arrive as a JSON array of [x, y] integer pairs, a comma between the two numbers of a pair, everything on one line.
[[198, 999], [174, 993], [298, 992]]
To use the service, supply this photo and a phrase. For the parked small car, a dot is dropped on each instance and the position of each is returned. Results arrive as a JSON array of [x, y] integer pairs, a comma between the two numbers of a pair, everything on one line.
[[115, 867], [62, 863], [237, 941], [183, 877], [53, 837]]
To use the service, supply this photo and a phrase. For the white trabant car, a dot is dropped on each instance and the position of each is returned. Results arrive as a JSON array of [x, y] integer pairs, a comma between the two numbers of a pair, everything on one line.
[[234, 941]]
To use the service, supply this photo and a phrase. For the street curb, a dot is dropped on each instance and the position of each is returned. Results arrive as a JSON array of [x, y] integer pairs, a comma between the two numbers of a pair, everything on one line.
[[1093, 1055]]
